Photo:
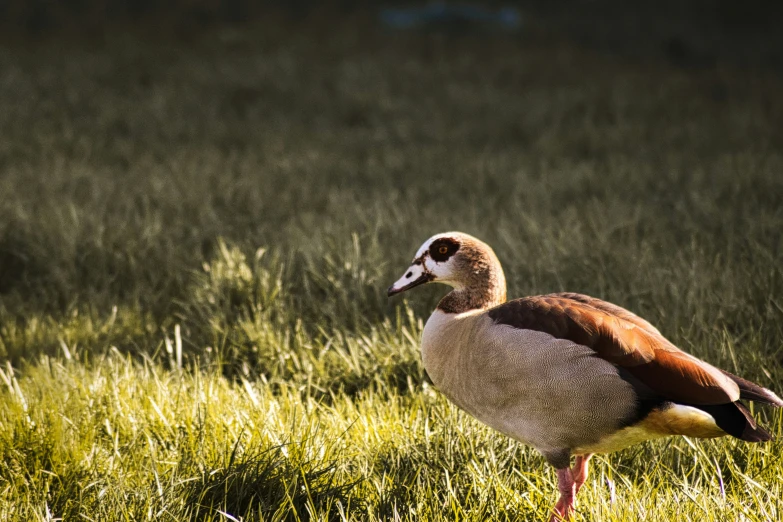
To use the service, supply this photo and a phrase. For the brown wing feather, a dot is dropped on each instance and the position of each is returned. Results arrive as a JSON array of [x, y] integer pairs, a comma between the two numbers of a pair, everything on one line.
[[624, 339], [753, 392], [610, 308]]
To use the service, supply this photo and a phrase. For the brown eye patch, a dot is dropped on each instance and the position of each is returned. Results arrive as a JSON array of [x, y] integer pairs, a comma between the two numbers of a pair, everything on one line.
[[443, 248]]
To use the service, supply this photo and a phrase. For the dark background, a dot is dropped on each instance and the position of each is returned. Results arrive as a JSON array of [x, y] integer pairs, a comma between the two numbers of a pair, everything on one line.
[[691, 33]]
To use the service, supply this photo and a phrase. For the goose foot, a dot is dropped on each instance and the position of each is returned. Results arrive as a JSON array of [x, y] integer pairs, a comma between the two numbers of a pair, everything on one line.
[[567, 487], [569, 482]]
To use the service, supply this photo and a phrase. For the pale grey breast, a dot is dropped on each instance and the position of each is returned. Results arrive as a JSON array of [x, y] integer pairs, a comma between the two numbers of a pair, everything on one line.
[[550, 393]]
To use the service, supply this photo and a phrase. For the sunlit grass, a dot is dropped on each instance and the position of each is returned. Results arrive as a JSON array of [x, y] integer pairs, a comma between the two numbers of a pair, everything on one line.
[[126, 438], [195, 247]]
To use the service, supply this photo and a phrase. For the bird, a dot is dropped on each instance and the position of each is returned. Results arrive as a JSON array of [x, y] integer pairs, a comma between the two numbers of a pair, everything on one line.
[[565, 373]]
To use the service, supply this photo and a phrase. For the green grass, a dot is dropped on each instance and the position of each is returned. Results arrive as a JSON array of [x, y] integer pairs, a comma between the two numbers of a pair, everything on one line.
[[196, 239]]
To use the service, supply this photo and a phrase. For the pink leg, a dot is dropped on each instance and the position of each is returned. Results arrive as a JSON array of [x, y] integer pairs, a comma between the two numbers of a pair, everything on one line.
[[565, 506], [580, 471]]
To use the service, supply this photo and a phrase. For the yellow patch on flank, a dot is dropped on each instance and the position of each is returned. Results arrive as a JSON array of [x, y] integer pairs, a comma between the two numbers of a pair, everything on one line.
[[675, 420], [683, 420]]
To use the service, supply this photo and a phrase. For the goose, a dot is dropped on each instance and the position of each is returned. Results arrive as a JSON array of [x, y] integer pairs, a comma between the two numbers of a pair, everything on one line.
[[568, 374]]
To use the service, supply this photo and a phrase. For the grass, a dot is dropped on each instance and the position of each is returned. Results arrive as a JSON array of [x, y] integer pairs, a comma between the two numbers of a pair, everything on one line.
[[196, 237]]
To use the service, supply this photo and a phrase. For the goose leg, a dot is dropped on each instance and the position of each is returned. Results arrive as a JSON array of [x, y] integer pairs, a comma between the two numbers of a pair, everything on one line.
[[565, 506], [580, 470]]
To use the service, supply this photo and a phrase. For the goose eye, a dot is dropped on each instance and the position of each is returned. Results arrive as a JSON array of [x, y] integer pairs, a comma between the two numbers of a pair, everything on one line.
[[443, 249]]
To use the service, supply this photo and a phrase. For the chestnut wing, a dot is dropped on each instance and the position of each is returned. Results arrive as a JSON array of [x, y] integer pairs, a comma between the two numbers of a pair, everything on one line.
[[624, 339]]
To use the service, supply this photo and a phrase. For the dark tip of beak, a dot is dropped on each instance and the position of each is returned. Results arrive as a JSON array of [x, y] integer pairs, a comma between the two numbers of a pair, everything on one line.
[[391, 291]]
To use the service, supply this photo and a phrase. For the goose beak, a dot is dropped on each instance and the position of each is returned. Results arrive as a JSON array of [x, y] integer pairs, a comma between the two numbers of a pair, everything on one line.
[[415, 276]]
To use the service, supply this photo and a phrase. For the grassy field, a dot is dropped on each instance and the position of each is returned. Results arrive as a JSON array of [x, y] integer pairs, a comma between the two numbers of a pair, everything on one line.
[[196, 237]]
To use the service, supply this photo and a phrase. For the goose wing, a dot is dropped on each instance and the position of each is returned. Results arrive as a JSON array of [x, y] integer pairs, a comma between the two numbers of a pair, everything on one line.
[[635, 346]]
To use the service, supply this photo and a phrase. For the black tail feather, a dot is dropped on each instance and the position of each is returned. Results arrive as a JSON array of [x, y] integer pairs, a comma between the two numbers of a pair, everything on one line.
[[735, 419]]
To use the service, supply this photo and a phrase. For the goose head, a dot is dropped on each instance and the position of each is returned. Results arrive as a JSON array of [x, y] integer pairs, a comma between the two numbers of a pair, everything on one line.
[[461, 261]]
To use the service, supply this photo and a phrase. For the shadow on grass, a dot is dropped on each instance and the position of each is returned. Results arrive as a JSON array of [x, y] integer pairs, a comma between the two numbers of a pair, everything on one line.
[[270, 484], [402, 378], [446, 475]]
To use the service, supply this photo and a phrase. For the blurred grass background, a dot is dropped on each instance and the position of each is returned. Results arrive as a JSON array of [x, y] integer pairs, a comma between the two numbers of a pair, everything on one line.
[[199, 219]]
